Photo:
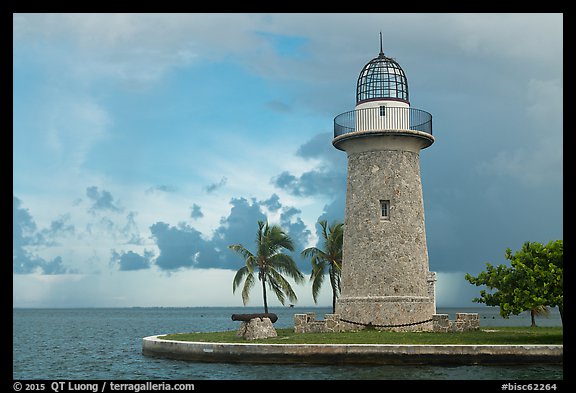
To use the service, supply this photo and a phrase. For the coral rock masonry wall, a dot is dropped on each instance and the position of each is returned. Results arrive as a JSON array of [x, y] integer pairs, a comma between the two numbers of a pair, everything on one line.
[[385, 276], [307, 323], [464, 322]]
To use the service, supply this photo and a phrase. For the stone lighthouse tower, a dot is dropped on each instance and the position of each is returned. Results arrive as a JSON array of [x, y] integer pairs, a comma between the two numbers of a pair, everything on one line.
[[385, 279]]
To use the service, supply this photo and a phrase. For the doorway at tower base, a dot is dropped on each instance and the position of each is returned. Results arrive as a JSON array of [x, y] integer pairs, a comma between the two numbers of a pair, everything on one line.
[[395, 313]]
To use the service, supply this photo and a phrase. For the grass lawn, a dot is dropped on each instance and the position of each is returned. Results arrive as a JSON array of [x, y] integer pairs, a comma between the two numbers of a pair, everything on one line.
[[488, 335]]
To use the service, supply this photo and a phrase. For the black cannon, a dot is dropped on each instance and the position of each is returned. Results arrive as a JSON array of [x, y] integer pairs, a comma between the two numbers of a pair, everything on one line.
[[247, 317]]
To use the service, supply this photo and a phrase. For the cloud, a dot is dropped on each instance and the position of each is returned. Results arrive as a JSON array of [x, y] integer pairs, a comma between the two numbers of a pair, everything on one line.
[[320, 147], [311, 183], [196, 212], [73, 125], [131, 230], [328, 179], [102, 200], [300, 234], [180, 247], [184, 247], [279, 106], [160, 188], [215, 186], [132, 261], [240, 226], [23, 224], [119, 46], [25, 238], [536, 161], [58, 228], [273, 203]]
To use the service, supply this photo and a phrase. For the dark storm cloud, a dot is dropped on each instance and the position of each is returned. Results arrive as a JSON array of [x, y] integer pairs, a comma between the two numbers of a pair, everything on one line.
[[179, 246], [25, 234], [241, 225], [183, 246], [299, 233], [101, 200], [132, 261], [196, 212], [213, 187]]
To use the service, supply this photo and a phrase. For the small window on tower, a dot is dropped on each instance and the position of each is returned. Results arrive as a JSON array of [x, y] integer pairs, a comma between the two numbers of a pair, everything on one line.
[[385, 209], [382, 110]]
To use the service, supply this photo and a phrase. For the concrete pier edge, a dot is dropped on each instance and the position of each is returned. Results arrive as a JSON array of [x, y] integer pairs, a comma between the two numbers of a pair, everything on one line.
[[211, 352]]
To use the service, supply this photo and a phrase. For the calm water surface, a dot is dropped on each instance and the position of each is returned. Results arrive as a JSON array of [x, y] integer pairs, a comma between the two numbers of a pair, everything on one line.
[[76, 344]]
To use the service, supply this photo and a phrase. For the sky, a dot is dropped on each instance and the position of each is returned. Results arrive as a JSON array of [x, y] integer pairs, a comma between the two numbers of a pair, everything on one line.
[[145, 144]]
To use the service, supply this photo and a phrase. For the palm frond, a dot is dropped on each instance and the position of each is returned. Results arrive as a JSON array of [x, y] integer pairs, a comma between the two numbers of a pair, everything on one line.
[[311, 252], [281, 285], [248, 285], [541, 311], [248, 257], [284, 264], [317, 278], [323, 224], [238, 277], [277, 288], [279, 239]]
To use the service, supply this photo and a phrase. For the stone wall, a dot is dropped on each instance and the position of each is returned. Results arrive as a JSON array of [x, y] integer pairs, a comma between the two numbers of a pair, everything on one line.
[[307, 323], [464, 322]]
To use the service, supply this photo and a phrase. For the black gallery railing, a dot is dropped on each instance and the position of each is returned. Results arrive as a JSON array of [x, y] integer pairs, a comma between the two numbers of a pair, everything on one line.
[[383, 119]]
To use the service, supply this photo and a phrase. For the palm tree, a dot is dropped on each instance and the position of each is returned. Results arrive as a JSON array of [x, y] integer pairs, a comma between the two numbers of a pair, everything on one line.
[[270, 263], [540, 311], [330, 258]]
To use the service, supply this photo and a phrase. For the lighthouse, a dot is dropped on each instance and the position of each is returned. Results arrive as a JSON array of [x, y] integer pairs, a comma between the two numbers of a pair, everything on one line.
[[385, 280]]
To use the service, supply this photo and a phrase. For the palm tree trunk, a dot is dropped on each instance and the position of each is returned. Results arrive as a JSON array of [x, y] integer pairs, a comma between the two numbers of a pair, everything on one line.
[[333, 279], [264, 294], [333, 302], [532, 318]]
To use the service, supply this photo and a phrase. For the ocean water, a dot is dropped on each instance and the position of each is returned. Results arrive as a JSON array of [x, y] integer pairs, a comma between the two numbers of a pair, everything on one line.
[[106, 344]]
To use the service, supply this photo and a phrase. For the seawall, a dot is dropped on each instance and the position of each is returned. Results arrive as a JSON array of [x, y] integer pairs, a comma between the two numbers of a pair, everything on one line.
[[351, 353]]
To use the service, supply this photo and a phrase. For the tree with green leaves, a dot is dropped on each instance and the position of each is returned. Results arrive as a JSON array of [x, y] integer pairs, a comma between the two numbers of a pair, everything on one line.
[[327, 260], [533, 280], [270, 263]]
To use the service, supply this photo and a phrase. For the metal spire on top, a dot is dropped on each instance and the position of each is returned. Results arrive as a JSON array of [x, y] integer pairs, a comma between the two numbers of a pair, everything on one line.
[[381, 51]]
